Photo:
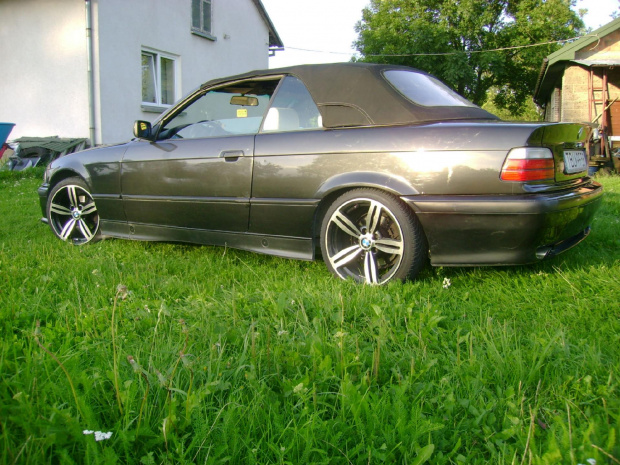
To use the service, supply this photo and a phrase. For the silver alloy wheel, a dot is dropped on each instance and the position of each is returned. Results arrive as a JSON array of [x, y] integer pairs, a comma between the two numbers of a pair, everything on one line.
[[364, 241], [72, 213]]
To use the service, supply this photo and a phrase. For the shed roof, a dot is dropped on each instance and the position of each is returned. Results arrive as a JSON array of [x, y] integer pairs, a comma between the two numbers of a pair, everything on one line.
[[54, 143], [553, 66]]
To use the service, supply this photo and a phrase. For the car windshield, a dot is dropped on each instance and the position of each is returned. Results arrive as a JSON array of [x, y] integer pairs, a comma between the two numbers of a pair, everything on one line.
[[423, 89], [231, 110]]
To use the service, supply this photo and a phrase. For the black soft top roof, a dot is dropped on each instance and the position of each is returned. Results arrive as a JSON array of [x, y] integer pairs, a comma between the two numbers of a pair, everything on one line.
[[357, 94]]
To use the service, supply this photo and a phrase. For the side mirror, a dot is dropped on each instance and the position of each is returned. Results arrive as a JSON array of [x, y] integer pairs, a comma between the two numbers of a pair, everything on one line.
[[142, 129]]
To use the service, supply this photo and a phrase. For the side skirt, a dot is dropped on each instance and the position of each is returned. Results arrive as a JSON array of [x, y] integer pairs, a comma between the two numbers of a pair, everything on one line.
[[299, 248]]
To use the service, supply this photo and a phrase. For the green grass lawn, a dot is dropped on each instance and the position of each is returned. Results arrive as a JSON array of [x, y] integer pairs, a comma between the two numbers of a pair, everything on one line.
[[191, 354]]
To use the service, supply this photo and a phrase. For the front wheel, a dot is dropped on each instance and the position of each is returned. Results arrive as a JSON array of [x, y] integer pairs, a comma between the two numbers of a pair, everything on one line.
[[371, 237], [72, 213]]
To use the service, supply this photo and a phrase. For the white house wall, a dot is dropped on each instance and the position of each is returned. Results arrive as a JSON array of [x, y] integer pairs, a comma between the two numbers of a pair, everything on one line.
[[125, 28], [43, 81]]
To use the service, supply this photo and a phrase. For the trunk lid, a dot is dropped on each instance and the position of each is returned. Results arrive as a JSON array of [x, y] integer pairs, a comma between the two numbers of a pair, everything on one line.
[[569, 144]]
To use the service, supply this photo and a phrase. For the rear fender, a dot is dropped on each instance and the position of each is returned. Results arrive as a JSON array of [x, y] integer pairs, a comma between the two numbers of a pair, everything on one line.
[[336, 185], [395, 185]]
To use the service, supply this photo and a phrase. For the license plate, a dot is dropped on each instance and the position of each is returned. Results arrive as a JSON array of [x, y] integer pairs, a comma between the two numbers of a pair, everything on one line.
[[575, 161]]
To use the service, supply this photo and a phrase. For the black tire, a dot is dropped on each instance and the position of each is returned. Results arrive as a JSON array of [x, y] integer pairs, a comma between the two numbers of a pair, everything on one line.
[[372, 237], [72, 213]]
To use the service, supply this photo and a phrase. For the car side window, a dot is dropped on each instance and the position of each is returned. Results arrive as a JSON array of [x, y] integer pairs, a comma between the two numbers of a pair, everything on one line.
[[234, 109], [292, 109]]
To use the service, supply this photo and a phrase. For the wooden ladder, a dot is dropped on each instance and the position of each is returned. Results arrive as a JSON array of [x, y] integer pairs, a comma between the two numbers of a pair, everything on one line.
[[599, 95]]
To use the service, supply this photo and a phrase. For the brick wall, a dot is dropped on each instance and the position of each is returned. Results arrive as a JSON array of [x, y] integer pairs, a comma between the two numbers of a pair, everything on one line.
[[575, 93], [553, 108]]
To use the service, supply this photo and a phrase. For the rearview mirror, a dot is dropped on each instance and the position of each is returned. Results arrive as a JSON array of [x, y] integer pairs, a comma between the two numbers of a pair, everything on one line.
[[244, 101], [142, 129]]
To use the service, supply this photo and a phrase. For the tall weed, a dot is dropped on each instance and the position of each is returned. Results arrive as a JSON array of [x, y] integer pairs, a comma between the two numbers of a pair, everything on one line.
[[190, 354]]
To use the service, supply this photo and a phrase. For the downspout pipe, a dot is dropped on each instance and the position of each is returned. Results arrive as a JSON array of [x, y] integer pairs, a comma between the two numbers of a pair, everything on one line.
[[91, 74]]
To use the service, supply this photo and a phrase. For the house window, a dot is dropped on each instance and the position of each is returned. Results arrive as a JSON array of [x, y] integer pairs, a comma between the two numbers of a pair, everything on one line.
[[158, 79], [202, 18]]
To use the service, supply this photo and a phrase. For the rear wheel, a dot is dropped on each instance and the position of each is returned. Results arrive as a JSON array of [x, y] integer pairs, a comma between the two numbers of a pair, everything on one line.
[[371, 237], [72, 213]]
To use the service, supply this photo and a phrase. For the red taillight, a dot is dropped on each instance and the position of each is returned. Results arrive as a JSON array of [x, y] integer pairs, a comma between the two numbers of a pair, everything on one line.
[[528, 164]]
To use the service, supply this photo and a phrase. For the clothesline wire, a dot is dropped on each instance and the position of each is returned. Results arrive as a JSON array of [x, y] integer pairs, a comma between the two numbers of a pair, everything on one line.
[[515, 47]]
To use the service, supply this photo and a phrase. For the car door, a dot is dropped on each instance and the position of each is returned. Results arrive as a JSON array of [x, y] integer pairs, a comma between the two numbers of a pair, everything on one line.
[[289, 148], [197, 174]]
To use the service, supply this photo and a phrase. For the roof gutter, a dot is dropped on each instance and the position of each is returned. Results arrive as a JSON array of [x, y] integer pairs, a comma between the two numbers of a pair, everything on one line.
[[91, 74], [275, 43], [541, 75]]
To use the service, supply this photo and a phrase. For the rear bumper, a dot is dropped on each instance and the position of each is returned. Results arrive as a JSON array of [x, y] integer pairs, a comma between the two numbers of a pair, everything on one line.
[[549, 251], [505, 230]]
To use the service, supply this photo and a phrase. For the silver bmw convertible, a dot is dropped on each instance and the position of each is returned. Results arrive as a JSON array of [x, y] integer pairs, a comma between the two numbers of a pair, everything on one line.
[[379, 169]]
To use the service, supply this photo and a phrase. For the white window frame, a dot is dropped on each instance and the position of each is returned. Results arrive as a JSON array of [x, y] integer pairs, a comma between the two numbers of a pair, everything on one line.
[[158, 106]]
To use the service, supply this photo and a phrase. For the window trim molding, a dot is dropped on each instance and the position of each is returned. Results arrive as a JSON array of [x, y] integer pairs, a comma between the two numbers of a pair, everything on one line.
[[203, 34], [154, 108], [159, 107]]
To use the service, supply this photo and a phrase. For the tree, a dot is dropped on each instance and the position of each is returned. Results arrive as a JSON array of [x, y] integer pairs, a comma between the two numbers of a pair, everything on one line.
[[457, 41]]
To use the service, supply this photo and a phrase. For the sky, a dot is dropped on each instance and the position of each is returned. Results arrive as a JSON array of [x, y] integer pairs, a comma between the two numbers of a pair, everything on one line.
[[328, 26]]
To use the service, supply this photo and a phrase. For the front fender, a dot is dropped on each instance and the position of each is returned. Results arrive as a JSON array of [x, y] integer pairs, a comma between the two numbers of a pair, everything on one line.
[[100, 168]]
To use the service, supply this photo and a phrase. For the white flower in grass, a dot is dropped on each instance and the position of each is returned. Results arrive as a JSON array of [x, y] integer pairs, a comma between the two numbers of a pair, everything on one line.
[[446, 283], [591, 461], [99, 435]]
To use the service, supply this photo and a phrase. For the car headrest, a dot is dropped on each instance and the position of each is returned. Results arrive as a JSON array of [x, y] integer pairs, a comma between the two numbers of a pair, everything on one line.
[[281, 119]]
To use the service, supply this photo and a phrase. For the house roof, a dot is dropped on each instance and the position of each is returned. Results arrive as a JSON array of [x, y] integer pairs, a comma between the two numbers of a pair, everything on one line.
[[553, 66], [274, 38], [358, 94]]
